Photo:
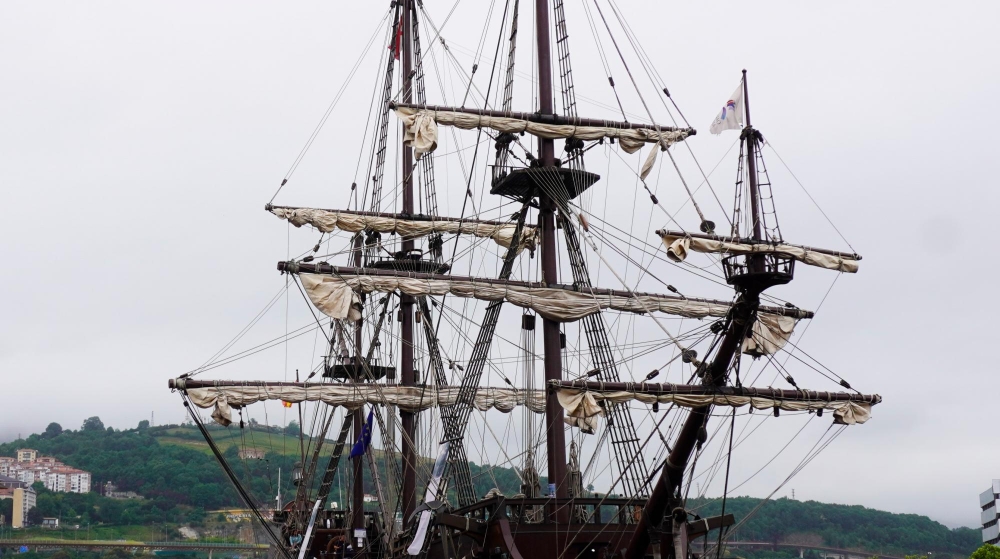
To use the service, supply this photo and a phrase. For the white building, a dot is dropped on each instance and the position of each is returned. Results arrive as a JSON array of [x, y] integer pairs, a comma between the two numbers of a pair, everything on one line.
[[989, 502], [28, 467], [67, 480]]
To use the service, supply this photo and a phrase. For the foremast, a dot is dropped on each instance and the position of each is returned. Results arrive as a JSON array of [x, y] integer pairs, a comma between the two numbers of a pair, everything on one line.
[[751, 275]]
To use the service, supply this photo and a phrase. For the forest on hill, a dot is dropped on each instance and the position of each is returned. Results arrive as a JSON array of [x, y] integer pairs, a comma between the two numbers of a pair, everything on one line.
[[176, 472]]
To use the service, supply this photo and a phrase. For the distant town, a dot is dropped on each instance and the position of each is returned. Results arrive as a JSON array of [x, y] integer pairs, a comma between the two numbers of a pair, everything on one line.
[[19, 473]]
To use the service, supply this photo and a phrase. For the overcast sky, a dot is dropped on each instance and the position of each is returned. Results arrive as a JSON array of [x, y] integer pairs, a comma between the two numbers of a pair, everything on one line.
[[140, 140]]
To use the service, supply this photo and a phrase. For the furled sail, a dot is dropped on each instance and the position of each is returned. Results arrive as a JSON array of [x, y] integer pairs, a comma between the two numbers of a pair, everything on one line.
[[582, 400], [410, 227], [352, 396], [679, 244], [770, 334], [337, 296], [421, 129]]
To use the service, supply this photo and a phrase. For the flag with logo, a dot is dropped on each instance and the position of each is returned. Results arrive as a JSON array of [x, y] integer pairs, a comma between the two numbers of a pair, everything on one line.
[[365, 439], [731, 116]]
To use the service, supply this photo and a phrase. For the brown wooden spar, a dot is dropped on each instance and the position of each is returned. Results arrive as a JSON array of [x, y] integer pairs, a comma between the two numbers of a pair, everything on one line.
[[409, 217], [741, 240], [751, 164], [701, 389], [408, 420], [548, 118], [358, 421], [324, 268], [555, 436]]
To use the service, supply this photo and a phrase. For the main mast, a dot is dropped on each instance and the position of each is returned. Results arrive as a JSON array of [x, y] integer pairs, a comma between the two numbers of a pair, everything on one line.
[[408, 419], [555, 437]]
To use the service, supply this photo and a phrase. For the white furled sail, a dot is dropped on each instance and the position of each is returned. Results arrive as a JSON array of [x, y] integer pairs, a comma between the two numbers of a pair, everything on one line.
[[352, 396], [581, 401], [353, 222], [421, 129], [679, 244], [770, 334], [583, 407], [337, 296]]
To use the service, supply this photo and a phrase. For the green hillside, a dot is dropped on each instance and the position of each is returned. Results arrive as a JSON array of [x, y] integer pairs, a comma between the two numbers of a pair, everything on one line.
[[174, 470]]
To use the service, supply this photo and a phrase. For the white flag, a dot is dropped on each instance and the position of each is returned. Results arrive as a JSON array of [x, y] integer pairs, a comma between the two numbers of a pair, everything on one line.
[[423, 523], [731, 117]]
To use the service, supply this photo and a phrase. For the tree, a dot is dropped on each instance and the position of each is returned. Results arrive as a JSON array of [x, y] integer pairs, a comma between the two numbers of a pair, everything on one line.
[[35, 517], [6, 511], [92, 424], [986, 551], [53, 430], [293, 429], [144, 424]]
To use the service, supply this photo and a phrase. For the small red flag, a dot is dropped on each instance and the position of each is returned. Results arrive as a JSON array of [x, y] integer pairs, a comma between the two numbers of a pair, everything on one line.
[[398, 43], [286, 404]]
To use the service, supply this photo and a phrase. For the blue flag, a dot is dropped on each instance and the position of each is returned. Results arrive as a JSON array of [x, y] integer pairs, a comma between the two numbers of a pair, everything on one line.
[[365, 439]]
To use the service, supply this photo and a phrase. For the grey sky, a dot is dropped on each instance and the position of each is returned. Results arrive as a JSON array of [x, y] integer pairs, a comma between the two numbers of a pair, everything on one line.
[[139, 142]]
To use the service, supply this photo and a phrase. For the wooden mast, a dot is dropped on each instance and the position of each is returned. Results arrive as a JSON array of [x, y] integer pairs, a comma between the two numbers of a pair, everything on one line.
[[555, 436], [751, 163], [666, 492], [408, 420], [358, 496]]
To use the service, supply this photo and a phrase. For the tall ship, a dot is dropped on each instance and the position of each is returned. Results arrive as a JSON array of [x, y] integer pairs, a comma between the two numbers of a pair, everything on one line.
[[663, 333]]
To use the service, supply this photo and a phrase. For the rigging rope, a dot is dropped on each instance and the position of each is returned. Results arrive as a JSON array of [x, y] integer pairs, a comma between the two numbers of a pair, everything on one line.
[[329, 110]]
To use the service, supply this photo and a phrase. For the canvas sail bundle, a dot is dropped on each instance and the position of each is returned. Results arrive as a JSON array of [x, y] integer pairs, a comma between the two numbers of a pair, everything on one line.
[[353, 222], [583, 406], [679, 245], [352, 396], [336, 296], [421, 129], [770, 334]]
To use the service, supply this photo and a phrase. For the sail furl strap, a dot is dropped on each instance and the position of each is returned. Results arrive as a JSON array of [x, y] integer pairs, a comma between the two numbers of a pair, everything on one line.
[[337, 296], [582, 400], [406, 226], [678, 244], [421, 129], [226, 396]]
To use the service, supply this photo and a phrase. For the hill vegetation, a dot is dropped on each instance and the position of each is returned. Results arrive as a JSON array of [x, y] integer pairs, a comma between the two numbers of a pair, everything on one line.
[[179, 478]]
